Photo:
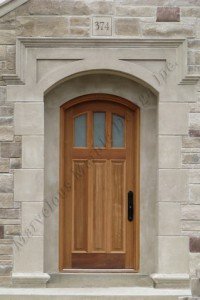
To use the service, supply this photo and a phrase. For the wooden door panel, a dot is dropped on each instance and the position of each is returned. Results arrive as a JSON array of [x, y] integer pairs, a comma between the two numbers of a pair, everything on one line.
[[98, 261], [80, 205], [117, 185], [99, 197]]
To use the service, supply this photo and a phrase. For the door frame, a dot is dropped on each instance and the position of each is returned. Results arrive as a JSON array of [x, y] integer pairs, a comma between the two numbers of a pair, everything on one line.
[[136, 109]]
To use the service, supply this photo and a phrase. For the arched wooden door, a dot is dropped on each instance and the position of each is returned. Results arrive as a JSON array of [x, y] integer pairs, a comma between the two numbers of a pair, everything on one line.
[[99, 183]]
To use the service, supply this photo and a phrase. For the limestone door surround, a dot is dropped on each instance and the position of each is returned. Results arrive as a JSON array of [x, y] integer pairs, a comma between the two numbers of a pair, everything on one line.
[[160, 65]]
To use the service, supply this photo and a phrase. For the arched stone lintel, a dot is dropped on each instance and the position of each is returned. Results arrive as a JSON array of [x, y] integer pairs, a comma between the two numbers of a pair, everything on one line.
[[124, 69]]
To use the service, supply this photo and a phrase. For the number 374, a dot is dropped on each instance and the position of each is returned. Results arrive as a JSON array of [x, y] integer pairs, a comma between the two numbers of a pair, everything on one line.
[[102, 25]]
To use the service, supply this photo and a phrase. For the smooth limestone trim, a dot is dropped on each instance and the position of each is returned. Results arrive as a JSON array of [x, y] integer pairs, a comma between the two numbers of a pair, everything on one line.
[[10, 5], [29, 279], [171, 280], [23, 43]]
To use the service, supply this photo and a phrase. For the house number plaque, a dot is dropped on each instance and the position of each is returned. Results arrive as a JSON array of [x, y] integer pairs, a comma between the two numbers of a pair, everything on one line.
[[102, 26]]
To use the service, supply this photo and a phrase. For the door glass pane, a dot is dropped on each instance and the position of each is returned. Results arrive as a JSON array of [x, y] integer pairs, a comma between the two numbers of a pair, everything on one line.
[[117, 131], [99, 124], [80, 131]]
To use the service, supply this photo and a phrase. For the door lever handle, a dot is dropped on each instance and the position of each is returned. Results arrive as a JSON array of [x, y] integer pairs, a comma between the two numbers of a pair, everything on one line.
[[130, 206]]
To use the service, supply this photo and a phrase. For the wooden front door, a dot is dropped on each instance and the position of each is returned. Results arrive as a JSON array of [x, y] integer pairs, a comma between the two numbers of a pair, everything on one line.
[[99, 183]]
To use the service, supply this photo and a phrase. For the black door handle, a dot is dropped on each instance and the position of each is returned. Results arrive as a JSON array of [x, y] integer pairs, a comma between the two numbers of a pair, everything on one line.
[[130, 206]]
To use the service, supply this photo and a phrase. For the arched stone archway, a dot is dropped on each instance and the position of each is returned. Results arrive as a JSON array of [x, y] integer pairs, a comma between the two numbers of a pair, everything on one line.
[[49, 64]]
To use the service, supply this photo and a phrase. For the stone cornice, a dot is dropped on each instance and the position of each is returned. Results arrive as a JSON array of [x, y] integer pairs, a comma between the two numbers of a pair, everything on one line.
[[10, 5], [100, 42]]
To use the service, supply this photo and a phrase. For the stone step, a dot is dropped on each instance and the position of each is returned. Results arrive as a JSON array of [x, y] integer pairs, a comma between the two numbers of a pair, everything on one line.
[[137, 293], [65, 280]]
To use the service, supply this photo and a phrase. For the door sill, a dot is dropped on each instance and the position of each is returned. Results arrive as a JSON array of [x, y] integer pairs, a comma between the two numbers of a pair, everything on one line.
[[98, 271]]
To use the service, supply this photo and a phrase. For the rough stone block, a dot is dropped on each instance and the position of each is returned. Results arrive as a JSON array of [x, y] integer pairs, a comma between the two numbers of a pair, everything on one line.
[[194, 44], [197, 57], [191, 57], [4, 165], [191, 212], [51, 7], [9, 213], [7, 37], [29, 118], [135, 11], [10, 52], [6, 257], [79, 31], [195, 287], [33, 152], [8, 21], [192, 12], [168, 30], [5, 281], [194, 176], [12, 229], [17, 205], [168, 14], [1, 232], [15, 163], [195, 107], [5, 268], [29, 185], [172, 145], [10, 221], [80, 21], [6, 133], [127, 27], [194, 262], [194, 244], [101, 7], [4, 121], [2, 94], [194, 133], [194, 69], [2, 52], [6, 183], [194, 121], [6, 200], [18, 138], [6, 242], [43, 26], [11, 149], [173, 185], [191, 226], [191, 158], [6, 111], [6, 249], [191, 142]]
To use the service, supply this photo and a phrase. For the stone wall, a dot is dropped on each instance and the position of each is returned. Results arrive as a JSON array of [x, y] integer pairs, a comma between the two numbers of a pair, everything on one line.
[[131, 18]]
